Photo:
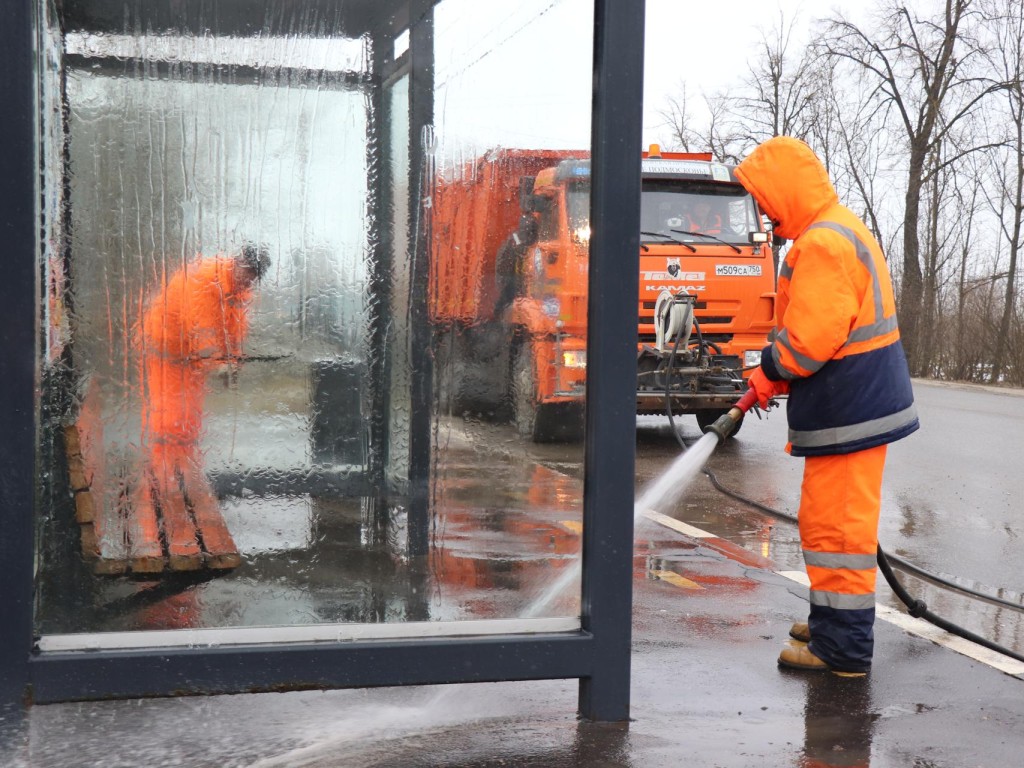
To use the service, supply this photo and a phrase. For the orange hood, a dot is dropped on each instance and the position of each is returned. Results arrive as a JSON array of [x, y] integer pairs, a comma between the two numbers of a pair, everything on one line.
[[789, 183]]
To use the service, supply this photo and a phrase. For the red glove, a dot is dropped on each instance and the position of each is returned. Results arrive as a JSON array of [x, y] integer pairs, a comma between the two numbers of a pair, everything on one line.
[[765, 387]]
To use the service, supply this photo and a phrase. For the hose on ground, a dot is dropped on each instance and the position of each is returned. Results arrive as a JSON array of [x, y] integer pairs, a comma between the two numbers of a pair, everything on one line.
[[899, 562], [915, 607]]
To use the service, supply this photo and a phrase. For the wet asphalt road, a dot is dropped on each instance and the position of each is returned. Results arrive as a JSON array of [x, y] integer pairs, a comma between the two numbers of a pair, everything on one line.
[[710, 617], [952, 500]]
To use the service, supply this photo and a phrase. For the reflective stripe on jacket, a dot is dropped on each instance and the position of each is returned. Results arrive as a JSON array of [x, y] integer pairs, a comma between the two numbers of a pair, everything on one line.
[[837, 340]]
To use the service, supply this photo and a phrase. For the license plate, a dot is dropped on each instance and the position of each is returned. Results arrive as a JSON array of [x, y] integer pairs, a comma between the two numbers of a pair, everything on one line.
[[738, 270]]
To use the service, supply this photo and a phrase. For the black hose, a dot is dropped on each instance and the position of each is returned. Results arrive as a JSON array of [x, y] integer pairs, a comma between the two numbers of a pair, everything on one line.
[[916, 608], [919, 609], [938, 581], [668, 378], [899, 562]]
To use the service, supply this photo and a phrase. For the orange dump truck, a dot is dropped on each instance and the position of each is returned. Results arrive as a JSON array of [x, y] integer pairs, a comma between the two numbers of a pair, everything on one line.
[[508, 288]]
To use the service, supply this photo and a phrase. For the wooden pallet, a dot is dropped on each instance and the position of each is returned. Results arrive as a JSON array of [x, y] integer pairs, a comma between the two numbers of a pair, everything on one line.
[[127, 527]]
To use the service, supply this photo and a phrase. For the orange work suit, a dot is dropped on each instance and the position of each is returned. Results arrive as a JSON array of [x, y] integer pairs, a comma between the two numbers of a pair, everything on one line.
[[196, 322], [837, 344], [711, 225]]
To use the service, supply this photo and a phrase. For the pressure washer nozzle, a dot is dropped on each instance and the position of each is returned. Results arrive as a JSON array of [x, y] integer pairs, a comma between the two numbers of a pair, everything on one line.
[[725, 424]]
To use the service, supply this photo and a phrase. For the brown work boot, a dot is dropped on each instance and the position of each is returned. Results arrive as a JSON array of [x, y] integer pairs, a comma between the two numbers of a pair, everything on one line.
[[801, 632], [800, 657]]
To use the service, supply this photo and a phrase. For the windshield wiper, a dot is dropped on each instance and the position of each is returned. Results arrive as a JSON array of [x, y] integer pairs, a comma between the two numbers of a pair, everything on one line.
[[705, 234], [668, 237]]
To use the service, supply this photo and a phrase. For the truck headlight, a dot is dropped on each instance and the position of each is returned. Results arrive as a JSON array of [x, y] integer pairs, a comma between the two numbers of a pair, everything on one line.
[[574, 358], [751, 358]]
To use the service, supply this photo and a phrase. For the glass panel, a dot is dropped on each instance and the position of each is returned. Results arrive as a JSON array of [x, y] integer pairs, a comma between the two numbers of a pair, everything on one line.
[[508, 301], [229, 310], [672, 209], [397, 169]]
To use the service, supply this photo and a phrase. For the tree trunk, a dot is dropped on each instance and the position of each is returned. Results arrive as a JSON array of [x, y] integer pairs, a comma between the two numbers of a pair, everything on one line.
[[912, 285]]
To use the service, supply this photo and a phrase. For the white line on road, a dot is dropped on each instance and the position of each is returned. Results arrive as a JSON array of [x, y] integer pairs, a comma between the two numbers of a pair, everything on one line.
[[907, 623]]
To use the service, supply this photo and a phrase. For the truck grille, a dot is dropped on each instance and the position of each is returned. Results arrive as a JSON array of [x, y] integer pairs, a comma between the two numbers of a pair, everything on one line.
[[717, 338]]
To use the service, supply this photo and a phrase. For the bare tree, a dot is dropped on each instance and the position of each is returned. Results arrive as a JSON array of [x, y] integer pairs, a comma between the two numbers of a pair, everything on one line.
[[721, 137], [962, 346], [849, 132], [777, 96], [678, 120], [1007, 20], [942, 232], [926, 68]]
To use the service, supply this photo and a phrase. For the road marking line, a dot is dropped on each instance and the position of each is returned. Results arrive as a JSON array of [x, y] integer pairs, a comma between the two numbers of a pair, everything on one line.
[[907, 623], [676, 525], [798, 576], [922, 628], [676, 580]]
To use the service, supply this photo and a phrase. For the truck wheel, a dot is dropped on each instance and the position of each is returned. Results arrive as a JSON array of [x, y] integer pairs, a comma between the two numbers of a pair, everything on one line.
[[541, 422], [524, 390], [708, 417]]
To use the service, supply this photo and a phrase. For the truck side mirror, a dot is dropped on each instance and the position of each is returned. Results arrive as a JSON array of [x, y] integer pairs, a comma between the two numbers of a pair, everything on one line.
[[526, 194], [526, 232]]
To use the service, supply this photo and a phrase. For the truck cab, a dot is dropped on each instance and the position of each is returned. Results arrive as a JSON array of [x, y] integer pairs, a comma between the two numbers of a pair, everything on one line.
[[706, 257], [509, 285]]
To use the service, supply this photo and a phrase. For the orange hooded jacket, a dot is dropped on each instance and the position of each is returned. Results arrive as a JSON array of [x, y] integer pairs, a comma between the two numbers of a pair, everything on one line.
[[198, 319], [200, 313], [837, 340]]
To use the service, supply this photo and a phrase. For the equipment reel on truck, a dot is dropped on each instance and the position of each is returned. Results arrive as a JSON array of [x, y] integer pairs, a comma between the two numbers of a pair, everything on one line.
[[682, 368]]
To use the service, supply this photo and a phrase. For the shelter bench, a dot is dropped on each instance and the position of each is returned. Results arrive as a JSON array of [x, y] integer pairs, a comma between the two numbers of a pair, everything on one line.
[[127, 528]]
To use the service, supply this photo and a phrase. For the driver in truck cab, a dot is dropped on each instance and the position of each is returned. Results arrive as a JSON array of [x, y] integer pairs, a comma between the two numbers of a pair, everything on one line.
[[701, 217]]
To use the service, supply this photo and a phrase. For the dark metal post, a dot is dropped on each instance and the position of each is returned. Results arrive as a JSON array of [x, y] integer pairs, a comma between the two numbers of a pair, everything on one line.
[[380, 243], [421, 120], [611, 355], [17, 339]]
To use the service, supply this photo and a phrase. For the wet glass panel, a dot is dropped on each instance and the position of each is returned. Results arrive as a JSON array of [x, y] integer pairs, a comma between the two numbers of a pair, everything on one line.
[[235, 341], [399, 281], [510, 243]]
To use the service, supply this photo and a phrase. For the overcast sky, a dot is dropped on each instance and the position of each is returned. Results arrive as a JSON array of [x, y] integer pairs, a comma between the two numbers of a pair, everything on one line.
[[710, 45], [520, 75]]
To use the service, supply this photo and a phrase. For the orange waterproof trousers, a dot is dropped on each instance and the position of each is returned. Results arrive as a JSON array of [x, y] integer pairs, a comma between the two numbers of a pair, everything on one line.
[[175, 391], [840, 501], [173, 415]]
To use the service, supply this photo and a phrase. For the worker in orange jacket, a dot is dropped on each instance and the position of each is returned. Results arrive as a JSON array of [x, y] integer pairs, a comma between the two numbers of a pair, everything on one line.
[[837, 353], [195, 324], [700, 218]]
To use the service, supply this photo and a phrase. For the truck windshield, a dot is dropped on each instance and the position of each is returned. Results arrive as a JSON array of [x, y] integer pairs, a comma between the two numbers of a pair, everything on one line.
[[577, 208], [723, 210]]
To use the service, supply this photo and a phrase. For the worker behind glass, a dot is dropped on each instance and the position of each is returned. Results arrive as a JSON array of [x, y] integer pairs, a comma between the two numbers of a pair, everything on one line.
[[193, 325]]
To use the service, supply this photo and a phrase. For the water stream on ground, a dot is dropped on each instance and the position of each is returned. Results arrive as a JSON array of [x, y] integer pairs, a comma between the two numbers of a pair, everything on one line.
[[439, 709], [660, 495]]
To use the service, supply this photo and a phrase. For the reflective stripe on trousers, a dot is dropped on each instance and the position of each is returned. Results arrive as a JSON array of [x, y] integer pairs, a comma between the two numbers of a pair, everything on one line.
[[840, 500]]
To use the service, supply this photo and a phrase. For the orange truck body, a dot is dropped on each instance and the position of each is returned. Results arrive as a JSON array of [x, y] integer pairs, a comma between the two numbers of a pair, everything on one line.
[[508, 285]]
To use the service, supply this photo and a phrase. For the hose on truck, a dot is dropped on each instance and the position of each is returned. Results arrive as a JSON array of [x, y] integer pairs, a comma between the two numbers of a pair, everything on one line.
[[915, 607]]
